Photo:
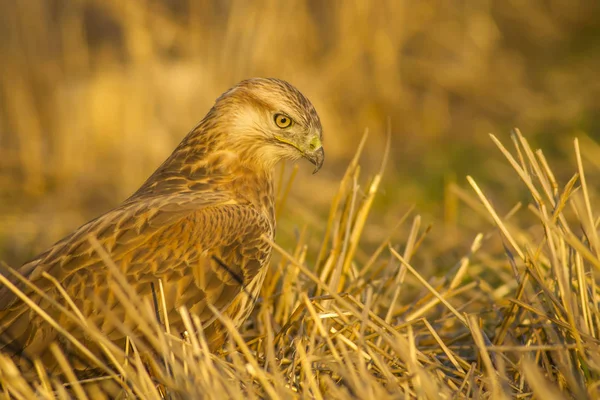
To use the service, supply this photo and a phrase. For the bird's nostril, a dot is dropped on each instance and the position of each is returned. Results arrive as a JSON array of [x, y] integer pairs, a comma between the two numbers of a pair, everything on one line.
[[314, 144]]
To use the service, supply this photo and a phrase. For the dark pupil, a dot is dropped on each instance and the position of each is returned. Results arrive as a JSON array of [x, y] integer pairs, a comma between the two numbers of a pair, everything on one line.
[[283, 120]]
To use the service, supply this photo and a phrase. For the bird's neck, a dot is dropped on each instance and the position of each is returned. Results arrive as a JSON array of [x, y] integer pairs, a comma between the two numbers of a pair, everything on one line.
[[254, 187], [203, 168]]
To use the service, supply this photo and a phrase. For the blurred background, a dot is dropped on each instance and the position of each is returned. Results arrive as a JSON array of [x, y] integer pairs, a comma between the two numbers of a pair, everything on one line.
[[94, 94]]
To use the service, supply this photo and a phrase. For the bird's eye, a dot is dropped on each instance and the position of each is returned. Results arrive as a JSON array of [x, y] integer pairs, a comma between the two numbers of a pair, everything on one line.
[[283, 121]]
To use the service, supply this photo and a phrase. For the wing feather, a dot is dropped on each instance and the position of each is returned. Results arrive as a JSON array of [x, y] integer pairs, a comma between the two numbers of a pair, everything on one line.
[[183, 240]]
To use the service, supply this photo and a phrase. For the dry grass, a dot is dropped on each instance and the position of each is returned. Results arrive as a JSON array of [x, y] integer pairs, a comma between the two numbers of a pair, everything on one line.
[[491, 292], [521, 323], [94, 94]]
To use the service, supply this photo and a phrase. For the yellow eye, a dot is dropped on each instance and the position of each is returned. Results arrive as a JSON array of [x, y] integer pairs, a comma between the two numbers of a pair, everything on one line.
[[283, 121]]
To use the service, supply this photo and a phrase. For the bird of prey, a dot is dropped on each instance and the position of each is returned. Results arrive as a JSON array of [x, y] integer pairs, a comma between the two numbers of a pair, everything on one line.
[[196, 225]]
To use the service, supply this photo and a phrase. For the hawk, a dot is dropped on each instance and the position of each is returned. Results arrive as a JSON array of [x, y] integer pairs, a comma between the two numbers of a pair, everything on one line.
[[196, 225]]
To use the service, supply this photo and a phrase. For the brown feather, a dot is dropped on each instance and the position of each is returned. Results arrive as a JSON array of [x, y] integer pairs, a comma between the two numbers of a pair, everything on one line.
[[195, 224]]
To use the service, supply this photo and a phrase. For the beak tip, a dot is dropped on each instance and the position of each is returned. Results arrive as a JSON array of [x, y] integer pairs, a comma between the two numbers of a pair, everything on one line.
[[317, 158]]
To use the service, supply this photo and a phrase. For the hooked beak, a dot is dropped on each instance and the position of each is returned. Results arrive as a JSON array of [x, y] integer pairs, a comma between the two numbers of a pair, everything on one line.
[[316, 157]]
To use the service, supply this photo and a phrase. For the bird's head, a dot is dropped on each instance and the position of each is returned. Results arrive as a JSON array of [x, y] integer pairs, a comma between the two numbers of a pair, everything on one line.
[[268, 120]]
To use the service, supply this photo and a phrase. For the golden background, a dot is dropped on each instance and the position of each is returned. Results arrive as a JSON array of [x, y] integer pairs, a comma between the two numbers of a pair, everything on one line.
[[95, 94]]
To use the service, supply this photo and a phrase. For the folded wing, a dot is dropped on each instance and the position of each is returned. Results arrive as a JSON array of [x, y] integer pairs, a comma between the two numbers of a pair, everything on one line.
[[204, 251]]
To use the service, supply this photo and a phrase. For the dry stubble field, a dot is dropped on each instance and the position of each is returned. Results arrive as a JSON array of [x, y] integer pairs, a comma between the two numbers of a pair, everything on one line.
[[401, 278]]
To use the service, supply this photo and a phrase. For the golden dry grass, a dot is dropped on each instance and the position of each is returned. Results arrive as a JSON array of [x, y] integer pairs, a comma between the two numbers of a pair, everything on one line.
[[489, 290], [94, 94], [523, 322]]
